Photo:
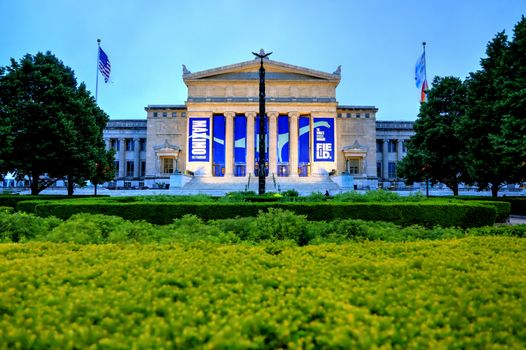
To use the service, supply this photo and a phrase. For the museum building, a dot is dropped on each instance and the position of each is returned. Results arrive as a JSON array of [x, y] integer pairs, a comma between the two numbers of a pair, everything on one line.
[[212, 140]]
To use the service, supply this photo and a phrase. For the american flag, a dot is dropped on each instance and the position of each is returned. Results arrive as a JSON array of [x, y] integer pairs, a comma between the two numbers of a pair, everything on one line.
[[104, 65]]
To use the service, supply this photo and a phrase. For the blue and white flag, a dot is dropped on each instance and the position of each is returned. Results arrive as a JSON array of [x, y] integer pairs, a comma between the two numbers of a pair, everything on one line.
[[420, 70], [104, 65]]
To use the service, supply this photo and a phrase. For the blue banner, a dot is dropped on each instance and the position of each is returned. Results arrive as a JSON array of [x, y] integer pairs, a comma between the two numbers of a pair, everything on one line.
[[218, 147], [283, 139], [240, 139], [198, 139], [256, 140], [323, 139], [303, 140]]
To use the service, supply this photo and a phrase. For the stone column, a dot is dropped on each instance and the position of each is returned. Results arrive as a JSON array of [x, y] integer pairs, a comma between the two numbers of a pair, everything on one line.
[[399, 151], [136, 157], [251, 116], [273, 139], [293, 144], [229, 144], [122, 157], [108, 143], [385, 159]]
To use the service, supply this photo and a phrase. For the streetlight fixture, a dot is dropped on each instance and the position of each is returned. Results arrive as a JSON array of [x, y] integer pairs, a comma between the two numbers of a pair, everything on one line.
[[261, 55]]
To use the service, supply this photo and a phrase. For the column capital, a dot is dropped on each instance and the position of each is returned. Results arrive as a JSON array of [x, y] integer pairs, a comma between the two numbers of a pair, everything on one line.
[[250, 114], [294, 114], [273, 114], [229, 114]]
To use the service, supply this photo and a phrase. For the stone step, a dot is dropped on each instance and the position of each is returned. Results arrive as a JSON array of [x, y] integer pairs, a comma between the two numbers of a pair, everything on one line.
[[217, 185]]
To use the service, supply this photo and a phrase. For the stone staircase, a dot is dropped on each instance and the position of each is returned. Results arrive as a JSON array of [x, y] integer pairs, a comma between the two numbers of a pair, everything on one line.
[[221, 185]]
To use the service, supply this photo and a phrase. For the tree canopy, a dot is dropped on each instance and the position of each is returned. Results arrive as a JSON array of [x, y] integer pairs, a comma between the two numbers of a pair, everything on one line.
[[50, 126], [435, 151], [475, 129]]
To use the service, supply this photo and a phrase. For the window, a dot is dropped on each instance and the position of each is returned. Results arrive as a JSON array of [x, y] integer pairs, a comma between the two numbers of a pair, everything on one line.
[[379, 144], [391, 146], [348, 115], [116, 165], [155, 114], [379, 169], [339, 115], [165, 114], [143, 168], [127, 184], [183, 114], [115, 144], [129, 168], [142, 145], [391, 170], [168, 165], [174, 114], [357, 115], [130, 145], [367, 115], [354, 166]]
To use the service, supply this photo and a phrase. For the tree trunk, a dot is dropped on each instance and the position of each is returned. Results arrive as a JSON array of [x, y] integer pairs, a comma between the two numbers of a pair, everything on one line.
[[494, 190], [454, 188], [70, 185], [34, 188], [95, 190], [34, 184]]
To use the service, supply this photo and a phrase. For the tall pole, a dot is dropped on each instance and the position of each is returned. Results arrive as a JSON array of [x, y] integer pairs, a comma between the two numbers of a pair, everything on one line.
[[97, 70], [425, 68], [262, 118]]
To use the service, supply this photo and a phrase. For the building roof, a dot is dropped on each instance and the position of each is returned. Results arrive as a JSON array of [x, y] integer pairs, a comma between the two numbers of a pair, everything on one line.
[[394, 124], [151, 107], [372, 108], [248, 71]]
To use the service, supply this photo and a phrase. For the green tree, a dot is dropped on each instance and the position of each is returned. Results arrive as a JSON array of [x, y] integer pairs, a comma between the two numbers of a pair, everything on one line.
[[480, 128], [513, 136], [103, 169], [494, 126], [87, 149], [47, 121], [435, 151]]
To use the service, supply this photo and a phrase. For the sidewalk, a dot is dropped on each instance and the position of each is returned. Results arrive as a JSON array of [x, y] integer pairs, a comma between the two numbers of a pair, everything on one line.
[[517, 220]]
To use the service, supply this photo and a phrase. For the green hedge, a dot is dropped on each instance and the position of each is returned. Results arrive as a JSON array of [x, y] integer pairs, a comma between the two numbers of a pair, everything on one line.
[[10, 200], [518, 204], [407, 213]]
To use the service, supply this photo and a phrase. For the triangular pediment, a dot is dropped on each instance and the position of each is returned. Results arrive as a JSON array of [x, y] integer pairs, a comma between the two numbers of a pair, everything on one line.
[[277, 71]]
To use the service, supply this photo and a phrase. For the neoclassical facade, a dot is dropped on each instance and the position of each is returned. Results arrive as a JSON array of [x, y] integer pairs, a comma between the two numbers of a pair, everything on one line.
[[214, 134]]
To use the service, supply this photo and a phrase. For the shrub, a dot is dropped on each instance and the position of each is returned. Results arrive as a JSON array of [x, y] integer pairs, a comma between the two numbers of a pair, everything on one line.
[[203, 198], [21, 227], [426, 213], [278, 224], [513, 231]]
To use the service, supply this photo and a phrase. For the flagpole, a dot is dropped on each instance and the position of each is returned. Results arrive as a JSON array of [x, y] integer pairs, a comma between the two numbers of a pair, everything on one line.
[[97, 79], [425, 66]]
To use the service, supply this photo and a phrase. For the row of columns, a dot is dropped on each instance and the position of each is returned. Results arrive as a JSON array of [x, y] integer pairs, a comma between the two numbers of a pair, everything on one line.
[[250, 145], [122, 156], [385, 155]]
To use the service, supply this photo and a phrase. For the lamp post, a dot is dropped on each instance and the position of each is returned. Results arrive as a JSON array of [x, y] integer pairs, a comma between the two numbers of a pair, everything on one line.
[[261, 55]]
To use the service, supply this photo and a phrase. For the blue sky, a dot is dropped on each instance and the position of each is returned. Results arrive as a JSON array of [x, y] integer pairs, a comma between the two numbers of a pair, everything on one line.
[[377, 42]]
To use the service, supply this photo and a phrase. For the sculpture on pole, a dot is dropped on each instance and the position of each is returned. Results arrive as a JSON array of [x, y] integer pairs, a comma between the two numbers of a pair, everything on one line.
[[262, 117]]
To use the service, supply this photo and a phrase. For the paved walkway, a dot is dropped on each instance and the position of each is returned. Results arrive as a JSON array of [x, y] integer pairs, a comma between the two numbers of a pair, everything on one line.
[[517, 220]]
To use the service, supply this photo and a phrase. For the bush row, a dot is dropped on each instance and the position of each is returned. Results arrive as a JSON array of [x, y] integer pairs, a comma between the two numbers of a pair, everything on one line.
[[459, 294], [275, 225], [10, 200], [518, 204], [407, 213]]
